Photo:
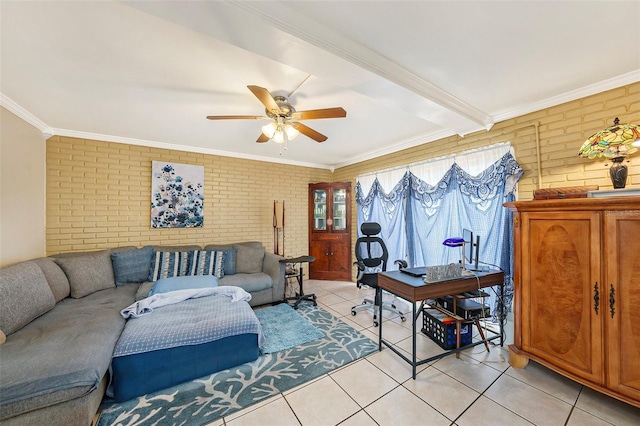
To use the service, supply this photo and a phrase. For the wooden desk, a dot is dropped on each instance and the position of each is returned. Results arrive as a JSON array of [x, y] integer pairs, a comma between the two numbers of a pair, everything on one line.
[[414, 289]]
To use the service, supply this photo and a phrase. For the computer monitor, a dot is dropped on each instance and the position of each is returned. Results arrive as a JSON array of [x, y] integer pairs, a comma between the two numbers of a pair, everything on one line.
[[471, 249]]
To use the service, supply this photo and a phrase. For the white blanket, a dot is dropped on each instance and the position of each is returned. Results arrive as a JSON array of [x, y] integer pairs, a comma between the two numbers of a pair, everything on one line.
[[147, 305]]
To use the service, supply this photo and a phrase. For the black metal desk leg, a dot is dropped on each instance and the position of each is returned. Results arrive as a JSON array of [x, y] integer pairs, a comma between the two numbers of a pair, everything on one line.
[[378, 296], [413, 316], [502, 315]]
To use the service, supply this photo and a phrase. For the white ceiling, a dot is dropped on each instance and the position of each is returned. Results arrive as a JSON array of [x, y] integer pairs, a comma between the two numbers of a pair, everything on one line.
[[406, 72]]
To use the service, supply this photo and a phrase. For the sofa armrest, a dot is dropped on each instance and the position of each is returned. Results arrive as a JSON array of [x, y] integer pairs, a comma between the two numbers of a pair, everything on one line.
[[271, 266]]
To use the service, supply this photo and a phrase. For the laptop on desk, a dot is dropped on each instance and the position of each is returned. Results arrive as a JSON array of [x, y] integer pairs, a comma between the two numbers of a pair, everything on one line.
[[418, 271]]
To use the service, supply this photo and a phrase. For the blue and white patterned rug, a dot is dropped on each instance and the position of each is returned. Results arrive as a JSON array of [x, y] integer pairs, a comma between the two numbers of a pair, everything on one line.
[[206, 399]]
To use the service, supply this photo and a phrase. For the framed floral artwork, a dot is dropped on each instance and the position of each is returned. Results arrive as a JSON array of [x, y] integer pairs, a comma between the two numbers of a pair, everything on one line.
[[177, 195]]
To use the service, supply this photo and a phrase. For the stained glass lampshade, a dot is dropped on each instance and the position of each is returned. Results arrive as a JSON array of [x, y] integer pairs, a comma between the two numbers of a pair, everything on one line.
[[615, 142], [611, 142]]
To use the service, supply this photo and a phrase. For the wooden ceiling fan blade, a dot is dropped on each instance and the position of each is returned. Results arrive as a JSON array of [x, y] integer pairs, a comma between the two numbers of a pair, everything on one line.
[[236, 117], [262, 138], [313, 114], [308, 131], [265, 97]]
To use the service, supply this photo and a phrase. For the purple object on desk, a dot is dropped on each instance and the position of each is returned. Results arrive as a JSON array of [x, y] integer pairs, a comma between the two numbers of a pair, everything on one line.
[[453, 242]]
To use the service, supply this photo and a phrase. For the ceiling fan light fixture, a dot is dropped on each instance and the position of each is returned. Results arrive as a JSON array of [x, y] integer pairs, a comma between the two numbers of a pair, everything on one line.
[[278, 136], [269, 129], [278, 109], [291, 131]]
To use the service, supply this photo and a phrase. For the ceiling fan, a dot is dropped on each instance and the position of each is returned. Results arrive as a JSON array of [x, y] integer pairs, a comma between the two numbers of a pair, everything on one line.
[[282, 113]]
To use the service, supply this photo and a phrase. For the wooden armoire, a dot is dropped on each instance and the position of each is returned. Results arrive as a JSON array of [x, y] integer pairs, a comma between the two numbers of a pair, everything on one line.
[[577, 290]]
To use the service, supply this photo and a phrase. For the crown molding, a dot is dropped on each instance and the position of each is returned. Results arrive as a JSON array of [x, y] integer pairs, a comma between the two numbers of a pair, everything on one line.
[[187, 148], [592, 89], [48, 131], [12, 106], [582, 92], [410, 143]]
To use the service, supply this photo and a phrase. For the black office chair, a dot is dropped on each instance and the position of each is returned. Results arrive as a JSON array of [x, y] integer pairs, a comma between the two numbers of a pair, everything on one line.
[[372, 256]]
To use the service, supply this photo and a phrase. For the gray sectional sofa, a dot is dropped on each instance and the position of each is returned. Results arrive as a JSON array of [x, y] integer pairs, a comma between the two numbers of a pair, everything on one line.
[[60, 321]]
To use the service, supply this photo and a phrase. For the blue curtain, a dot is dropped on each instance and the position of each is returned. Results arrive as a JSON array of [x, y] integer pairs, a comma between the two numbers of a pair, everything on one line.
[[389, 211], [417, 217]]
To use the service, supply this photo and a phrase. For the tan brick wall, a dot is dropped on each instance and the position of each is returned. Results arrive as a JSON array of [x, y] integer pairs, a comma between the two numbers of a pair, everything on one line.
[[562, 130], [98, 193], [99, 196]]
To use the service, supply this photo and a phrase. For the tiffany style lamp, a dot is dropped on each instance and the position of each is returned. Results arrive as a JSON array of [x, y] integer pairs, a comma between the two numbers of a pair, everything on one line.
[[615, 142]]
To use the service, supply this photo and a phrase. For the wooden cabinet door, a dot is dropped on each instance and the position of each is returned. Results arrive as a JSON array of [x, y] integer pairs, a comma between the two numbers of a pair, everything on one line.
[[319, 249], [561, 275], [333, 257], [622, 301]]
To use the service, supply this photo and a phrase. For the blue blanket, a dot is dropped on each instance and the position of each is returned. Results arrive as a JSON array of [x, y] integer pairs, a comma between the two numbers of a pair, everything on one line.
[[190, 322]]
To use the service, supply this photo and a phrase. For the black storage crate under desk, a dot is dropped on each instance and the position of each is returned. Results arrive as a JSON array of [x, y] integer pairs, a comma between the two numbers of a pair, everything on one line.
[[445, 334]]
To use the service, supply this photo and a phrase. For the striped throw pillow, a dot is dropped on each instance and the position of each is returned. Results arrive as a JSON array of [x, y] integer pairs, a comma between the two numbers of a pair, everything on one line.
[[206, 262], [165, 264]]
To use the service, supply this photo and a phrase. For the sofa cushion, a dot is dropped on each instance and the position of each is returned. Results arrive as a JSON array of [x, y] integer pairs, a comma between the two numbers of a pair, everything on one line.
[[165, 285], [229, 257], [63, 354], [249, 258], [58, 281], [132, 266], [206, 262], [25, 295], [88, 272], [249, 282], [144, 290], [166, 264]]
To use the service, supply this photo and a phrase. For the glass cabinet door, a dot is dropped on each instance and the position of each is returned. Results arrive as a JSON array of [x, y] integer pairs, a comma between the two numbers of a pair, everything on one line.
[[339, 209], [320, 210]]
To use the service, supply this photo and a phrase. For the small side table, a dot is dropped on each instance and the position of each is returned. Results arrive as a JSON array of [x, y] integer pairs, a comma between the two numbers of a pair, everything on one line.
[[300, 296]]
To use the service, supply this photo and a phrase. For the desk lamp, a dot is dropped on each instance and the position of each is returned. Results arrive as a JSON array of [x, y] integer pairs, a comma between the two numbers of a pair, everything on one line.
[[457, 242]]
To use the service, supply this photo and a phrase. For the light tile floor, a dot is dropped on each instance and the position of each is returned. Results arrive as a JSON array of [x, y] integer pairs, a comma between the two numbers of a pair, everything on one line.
[[479, 388]]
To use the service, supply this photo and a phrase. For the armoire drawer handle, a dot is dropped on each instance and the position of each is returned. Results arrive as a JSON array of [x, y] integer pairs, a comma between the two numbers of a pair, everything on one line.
[[612, 300]]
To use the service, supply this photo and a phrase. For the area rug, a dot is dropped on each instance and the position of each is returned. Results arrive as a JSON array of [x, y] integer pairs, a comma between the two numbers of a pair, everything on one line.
[[284, 328], [206, 399]]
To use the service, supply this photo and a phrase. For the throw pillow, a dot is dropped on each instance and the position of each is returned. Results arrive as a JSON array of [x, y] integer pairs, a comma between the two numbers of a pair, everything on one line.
[[168, 264], [165, 285], [229, 257], [132, 266], [88, 272], [249, 259], [206, 262], [25, 295]]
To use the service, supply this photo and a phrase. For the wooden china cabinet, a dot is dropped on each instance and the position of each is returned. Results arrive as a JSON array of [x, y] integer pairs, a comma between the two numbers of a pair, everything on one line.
[[330, 230], [577, 289]]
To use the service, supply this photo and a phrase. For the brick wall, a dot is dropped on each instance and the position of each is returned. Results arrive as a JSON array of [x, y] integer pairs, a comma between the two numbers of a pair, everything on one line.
[[99, 196], [561, 130], [98, 193]]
